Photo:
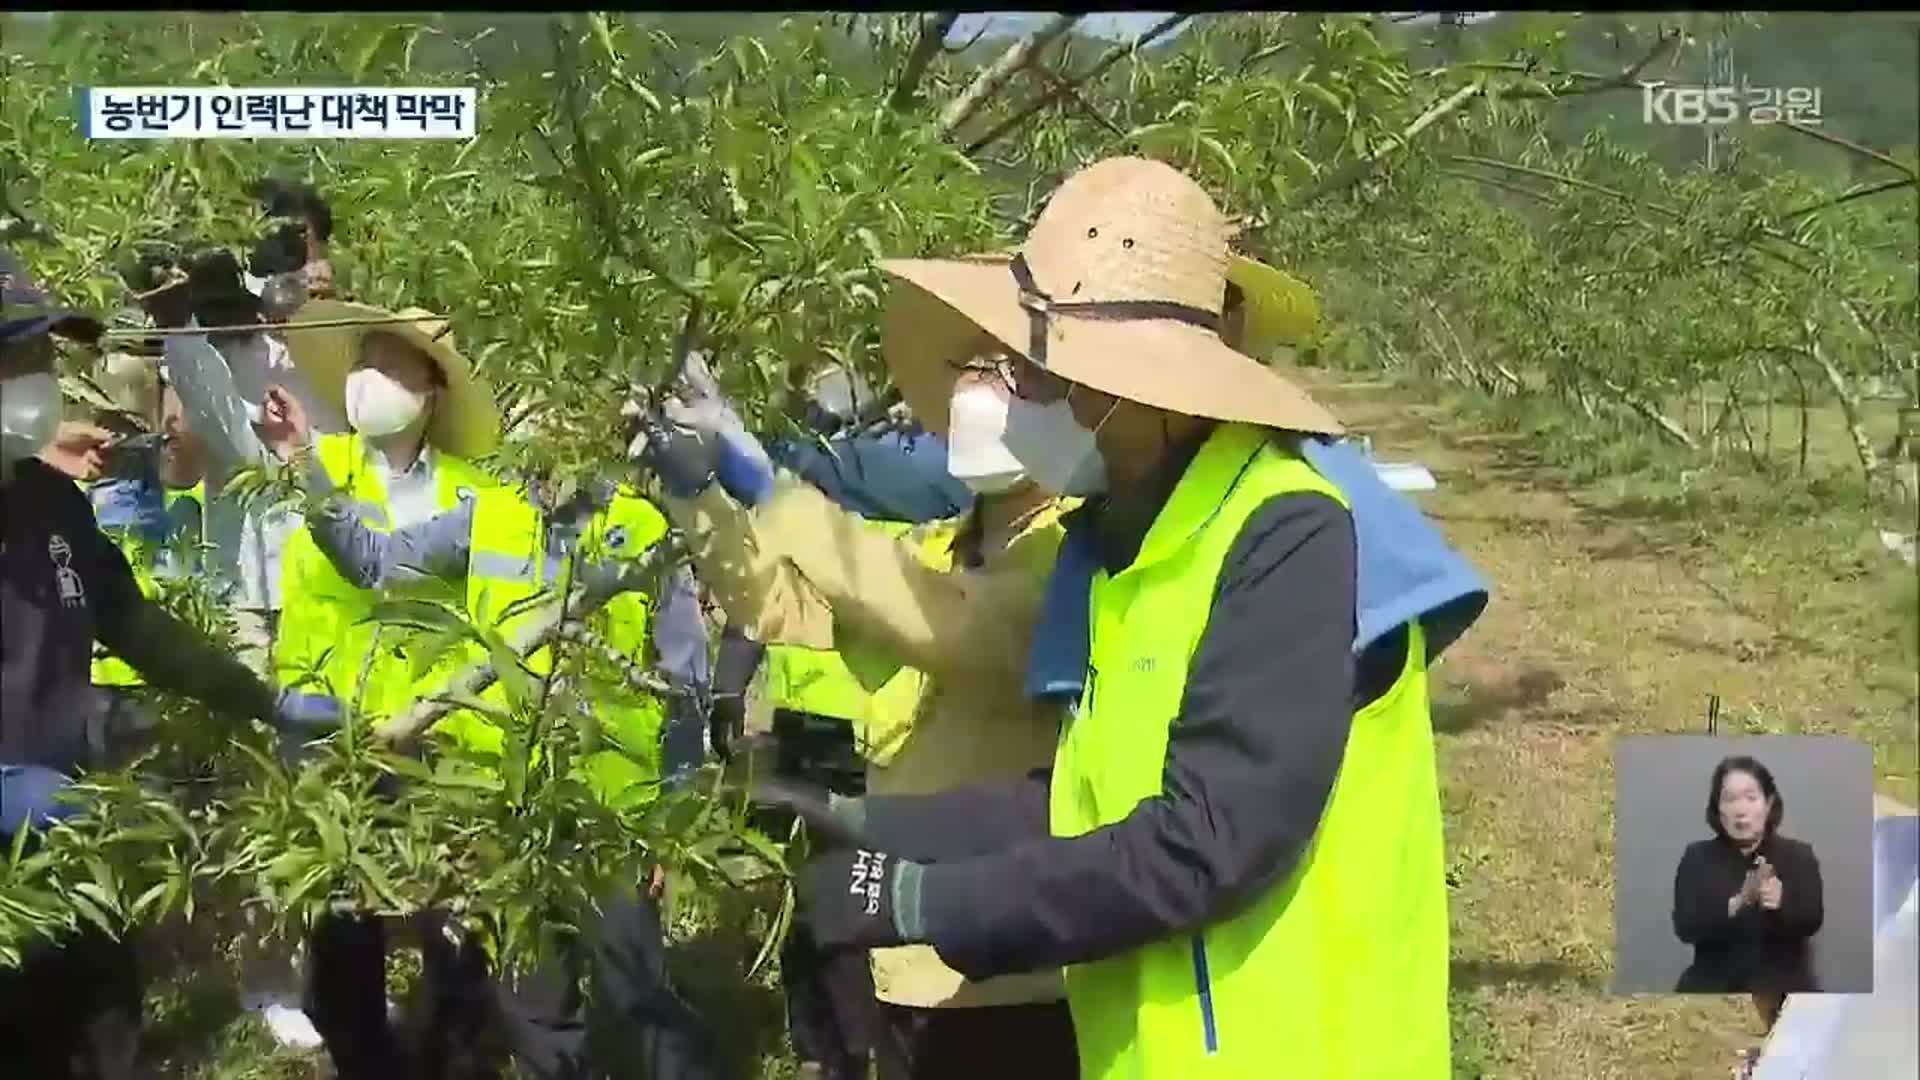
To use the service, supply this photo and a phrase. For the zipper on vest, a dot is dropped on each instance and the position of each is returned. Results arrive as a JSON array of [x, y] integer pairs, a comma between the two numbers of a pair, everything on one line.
[[1203, 988]]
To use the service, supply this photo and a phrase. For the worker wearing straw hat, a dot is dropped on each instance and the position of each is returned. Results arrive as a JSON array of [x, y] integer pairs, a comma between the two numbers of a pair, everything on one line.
[[954, 599], [407, 390], [1237, 856], [419, 416]]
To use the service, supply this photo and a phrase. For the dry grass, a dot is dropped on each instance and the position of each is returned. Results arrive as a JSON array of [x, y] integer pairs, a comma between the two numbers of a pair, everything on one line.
[[1608, 619]]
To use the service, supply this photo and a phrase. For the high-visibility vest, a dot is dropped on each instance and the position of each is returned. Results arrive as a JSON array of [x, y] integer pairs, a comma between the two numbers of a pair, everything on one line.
[[1337, 972], [819, 682], [508, 564], [323, 627], [110, 670]]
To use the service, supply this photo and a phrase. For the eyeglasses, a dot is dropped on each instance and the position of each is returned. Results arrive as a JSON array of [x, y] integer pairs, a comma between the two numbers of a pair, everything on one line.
[[1016, 375]]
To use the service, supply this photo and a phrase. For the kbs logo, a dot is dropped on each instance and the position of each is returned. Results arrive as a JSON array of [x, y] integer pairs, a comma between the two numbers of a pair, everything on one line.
[[1689, 104]]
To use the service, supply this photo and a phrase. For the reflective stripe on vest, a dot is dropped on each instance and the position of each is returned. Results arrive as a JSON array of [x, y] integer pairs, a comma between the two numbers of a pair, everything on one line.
[[110, 670], [1339, 971], [507, 565], [322, 629]]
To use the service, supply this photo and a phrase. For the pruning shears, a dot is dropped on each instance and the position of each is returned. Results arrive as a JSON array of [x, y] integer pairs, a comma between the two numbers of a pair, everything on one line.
[[642, 408]]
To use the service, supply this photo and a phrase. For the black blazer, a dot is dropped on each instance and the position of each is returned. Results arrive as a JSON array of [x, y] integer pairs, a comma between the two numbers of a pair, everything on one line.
[[1756, 950]]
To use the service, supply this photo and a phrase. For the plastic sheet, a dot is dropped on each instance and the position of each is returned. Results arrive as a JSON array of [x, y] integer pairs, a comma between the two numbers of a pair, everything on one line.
[[1864, 1036]]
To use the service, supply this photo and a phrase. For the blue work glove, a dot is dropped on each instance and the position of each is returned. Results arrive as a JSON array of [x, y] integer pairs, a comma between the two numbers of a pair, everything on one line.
[[27, 797], [298, 713]]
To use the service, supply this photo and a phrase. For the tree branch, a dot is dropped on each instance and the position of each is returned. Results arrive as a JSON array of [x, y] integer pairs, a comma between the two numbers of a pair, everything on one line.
[[1627, 78], [1849, 196], [1353, 172], [1100, 66], [1060, 87], [996, 74], [1849, 145], [933, 33], [614, 239], [539, 630], [971, 42]]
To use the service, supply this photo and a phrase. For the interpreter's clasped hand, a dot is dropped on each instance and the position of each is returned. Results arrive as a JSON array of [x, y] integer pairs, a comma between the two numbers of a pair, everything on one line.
[[1768, 891], [860, 899]]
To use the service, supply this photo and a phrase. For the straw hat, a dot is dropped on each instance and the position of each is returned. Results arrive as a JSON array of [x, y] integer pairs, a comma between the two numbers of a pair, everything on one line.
[[465, 422], [1118, 288]]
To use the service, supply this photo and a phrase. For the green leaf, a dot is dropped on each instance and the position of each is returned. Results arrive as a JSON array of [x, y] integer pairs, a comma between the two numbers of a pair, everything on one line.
[[368, 49], [1219, 152], [377, 878]]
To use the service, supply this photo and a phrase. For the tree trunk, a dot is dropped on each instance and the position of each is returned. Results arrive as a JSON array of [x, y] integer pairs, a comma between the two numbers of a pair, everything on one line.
[[1112, 57], [1651, 413], [1849, 399], [995, 75]]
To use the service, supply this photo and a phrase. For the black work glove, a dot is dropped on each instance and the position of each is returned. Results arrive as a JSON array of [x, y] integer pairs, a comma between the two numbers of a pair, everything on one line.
[[861, 899], [739, 657], [833, 821]]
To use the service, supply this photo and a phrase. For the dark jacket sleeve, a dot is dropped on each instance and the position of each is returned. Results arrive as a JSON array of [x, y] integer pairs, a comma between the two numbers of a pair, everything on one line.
[[1251, 761], [1699, 910], [110, 582], [1802, 902], [959, 824]]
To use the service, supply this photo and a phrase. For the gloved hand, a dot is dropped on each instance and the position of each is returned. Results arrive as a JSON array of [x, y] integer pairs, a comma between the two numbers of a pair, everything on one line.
[[680, 457], [859, 899], [27, 798], [296, 712], [699, 408], [833, 821]]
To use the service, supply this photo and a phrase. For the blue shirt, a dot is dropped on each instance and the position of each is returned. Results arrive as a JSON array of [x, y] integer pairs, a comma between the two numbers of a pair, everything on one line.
[[900, 475]]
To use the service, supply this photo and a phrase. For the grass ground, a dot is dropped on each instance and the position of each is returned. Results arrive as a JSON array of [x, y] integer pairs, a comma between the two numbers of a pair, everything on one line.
[[1623, 597]]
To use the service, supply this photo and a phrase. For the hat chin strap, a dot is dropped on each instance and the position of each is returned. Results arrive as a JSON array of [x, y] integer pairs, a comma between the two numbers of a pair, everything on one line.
[[1041, 307]]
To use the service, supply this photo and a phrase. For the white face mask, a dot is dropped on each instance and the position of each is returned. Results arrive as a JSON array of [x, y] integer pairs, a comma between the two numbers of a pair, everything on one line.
[[977, 453], [30, 414], [1059, 452], [377, 405]]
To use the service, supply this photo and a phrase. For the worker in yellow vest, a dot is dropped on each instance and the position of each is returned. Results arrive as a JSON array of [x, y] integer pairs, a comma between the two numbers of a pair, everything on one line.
[[407, 392], [1237, 855]]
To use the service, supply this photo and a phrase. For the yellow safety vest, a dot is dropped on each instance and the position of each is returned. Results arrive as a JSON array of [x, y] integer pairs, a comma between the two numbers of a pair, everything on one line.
[[508, 565], [323, 627], [110, 670], [1338, 972]]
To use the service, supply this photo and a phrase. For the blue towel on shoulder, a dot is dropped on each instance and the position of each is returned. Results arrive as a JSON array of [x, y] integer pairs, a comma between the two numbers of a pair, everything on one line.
[[1406, 571]]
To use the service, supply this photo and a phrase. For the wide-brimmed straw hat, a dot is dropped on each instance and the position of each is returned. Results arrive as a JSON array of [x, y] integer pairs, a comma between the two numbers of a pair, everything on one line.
[[1119, 288], [465, 422]]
